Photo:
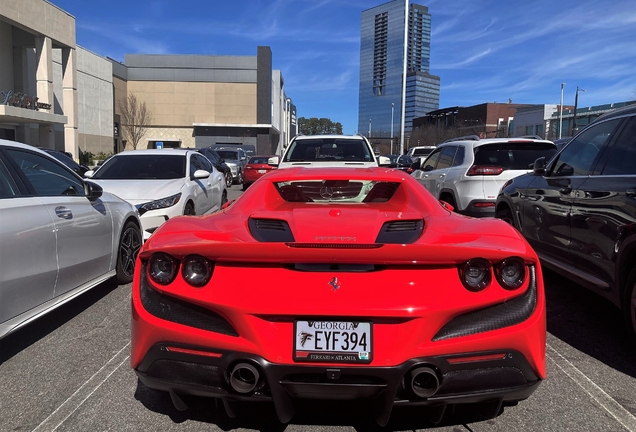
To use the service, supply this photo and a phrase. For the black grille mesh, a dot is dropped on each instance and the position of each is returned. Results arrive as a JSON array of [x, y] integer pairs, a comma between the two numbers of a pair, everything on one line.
[[187, 373], [502, 315], [181, 312], [400, 232], [270, 230]]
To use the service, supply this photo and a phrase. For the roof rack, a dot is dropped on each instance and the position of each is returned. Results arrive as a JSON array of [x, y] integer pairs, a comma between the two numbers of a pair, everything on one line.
[[463, 138]]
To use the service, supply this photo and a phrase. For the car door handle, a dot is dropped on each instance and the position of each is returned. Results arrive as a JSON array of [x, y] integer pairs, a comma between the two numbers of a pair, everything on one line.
[[63, 212], [630, 193]]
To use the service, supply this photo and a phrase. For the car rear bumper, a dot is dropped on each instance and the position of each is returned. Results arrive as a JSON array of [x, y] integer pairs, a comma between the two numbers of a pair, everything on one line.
[[480, 208], [485, 379]]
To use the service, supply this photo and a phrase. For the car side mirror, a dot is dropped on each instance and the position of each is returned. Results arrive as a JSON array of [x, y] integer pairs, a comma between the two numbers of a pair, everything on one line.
[[93, 190], [273, 161], [415, 165], [539, 166], [200, 174], [447, 206], [384, 161], [227, 204], [89, 173]]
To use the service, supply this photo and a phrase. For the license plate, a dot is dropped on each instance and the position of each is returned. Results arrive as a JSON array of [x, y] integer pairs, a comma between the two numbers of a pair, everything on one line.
[[333, 341], [262, 171]]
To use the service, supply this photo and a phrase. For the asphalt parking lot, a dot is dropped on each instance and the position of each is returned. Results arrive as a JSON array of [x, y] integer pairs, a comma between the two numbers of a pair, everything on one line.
[[69, 371]]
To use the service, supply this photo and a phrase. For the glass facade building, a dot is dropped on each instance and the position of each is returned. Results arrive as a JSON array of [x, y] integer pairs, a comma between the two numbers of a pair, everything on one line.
[[381, 67]]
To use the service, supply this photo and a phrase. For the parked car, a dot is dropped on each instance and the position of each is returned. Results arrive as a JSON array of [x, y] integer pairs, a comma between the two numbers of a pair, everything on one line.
[[469, 173], [236, 159], [420, 151], [219, 164], [60, 236], [400, 162], [579, 210], [256, 168], [250, 149], [329, 151], [367, 289], [67, 160], [163, 184]]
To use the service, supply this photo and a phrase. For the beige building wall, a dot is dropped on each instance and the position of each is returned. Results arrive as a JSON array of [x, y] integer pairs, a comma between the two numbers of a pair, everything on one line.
[[186, 103]]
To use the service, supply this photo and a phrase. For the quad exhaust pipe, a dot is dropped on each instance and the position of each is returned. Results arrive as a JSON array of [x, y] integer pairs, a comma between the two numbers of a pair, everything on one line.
[[244, 378], [423, 381]]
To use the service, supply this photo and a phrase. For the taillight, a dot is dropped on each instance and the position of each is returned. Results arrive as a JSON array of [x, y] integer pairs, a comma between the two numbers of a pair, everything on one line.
[[162, 268], [511, 273], [484, 170], [475, 274], [196, 270]]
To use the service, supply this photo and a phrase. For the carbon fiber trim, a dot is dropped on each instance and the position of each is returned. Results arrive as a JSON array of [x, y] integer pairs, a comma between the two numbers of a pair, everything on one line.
[[178, 311], [400, 232], [502, 315], [270, 230]]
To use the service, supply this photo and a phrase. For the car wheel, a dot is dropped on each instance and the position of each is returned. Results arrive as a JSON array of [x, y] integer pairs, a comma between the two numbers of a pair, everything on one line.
[[129, 244], [228, 179], [239, 178], [506, 215], [629, 305], [189, 210], [245, 185]]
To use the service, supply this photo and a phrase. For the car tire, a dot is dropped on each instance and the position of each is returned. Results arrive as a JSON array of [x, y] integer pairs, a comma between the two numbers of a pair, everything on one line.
[[245, 185], [629, 305], [506, 215], [129, 244], [239, 178], [189, 209], [228, 179]]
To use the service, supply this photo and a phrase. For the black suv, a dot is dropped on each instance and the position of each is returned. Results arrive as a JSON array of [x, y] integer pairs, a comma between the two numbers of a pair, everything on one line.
[[578, 211], [219, 164]]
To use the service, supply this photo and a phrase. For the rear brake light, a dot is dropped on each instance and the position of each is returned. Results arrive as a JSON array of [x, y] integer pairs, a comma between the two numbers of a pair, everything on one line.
[[484, 170], [485, 204]]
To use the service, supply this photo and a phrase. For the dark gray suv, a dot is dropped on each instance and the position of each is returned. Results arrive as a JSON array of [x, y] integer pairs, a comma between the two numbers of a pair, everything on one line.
[[578, 211]]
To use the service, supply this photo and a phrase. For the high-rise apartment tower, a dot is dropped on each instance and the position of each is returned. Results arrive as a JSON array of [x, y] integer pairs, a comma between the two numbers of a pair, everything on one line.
[[381, 68]]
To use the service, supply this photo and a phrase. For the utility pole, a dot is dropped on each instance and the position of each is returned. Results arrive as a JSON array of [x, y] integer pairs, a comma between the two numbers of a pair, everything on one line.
[[576, 104], [392, 109], [561, 112], [403, 110]]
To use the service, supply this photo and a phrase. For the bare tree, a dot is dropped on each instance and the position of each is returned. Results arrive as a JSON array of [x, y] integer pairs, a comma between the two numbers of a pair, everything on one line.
[[135, 118]]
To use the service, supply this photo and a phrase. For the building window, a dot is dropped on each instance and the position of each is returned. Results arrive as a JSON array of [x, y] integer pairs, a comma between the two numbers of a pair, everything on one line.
[[529, 130]]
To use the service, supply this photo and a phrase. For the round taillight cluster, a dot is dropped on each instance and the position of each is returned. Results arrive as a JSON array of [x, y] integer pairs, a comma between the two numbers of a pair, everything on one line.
[[476, 273], [195, 269]]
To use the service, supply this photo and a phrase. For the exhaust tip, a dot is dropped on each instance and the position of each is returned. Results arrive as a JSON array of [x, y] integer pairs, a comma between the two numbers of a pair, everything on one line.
[[423, 382], [244, 378]]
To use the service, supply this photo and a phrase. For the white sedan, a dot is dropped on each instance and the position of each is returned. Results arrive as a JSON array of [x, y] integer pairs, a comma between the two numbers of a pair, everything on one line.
[[163, 184], [60, 235]]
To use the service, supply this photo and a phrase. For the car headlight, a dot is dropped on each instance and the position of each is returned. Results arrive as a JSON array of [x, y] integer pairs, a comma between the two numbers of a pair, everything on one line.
[[475, 274], [196, 270], [158, 204], [162, 268], [511, 273]]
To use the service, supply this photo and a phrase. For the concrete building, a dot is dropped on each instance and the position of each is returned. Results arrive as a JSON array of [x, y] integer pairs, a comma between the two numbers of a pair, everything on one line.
[[534, 120], [199, 100], [381, 68], [54, 93], [584, 116]]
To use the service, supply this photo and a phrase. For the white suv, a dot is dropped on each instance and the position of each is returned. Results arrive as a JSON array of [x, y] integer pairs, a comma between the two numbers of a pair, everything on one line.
[[420, 151], [329, 151], [469, 172]]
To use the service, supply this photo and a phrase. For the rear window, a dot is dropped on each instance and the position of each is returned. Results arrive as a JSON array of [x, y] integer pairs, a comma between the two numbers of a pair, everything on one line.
[[328, 149], [423, 151], [513, 156], [142, 167], [340, 191], [258, 160]]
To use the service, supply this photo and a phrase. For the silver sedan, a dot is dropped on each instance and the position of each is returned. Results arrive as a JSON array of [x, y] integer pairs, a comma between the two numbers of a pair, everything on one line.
[[60, 235]]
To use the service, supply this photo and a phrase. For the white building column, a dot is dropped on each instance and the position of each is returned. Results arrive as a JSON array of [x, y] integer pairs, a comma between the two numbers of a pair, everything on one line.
[[69, 101], [44, 81]]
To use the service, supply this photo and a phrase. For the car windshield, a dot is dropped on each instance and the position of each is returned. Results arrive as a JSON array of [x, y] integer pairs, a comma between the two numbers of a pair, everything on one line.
[[228, 154], [328, 149], [513, 156], [142, 167], [341, 191]]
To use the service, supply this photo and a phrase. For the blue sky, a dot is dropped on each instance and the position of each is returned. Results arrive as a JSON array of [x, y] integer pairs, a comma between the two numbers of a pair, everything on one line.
[[484, 51]]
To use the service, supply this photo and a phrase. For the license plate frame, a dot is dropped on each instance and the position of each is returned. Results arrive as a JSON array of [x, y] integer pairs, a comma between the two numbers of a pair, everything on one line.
[[330, 338]]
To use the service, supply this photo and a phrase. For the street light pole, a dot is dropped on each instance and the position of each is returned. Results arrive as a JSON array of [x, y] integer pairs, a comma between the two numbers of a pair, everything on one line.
[[392, 109], [576, 104], [561, 112], [369, 128]]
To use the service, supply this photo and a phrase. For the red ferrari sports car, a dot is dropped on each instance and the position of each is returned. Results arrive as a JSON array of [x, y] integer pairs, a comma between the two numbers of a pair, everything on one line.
[[340, 284]]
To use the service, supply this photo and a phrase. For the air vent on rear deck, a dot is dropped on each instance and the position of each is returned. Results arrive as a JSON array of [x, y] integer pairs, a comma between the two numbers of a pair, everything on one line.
[[270, 230], [401, 232]]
